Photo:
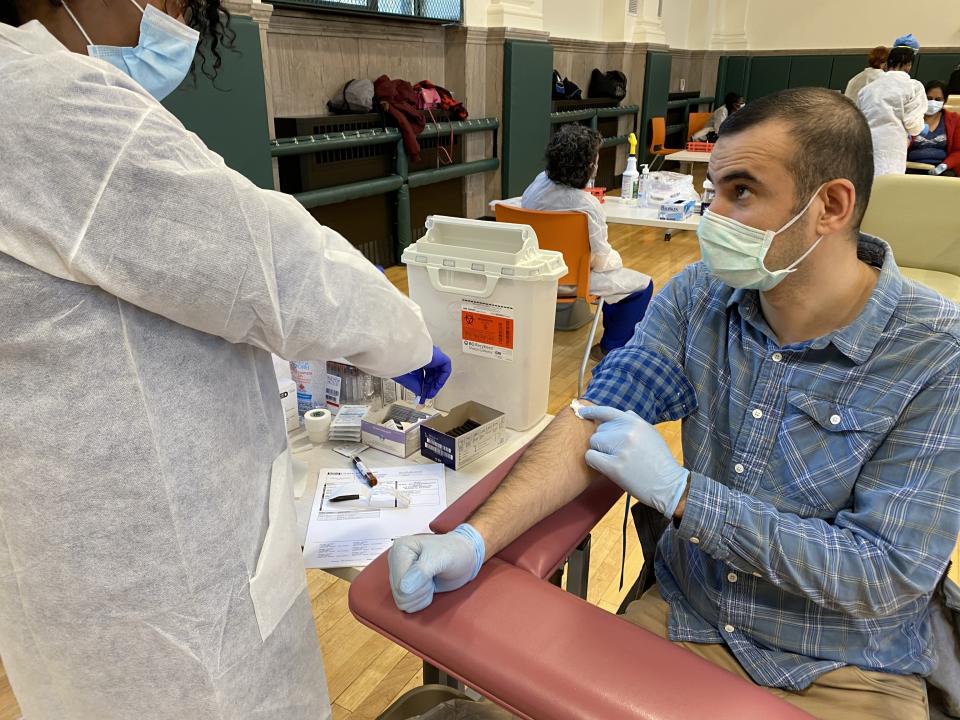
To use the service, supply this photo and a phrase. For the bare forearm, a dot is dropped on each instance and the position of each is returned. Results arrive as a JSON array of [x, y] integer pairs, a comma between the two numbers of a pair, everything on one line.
[[551, 473]]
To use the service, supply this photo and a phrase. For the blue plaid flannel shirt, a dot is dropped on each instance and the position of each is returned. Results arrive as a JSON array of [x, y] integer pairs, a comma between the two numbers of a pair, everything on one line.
[[824, 499]]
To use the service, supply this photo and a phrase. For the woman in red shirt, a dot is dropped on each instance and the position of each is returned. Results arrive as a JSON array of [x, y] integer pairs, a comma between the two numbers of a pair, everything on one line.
[[939, 142]]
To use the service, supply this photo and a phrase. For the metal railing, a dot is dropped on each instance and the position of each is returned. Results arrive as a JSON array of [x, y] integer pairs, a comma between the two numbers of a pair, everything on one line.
[[401, 180], [594, 115]]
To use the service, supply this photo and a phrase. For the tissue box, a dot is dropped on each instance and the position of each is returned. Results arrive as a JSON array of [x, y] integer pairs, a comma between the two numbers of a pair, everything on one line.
[[461, 436], [676, 210], [402, 443]]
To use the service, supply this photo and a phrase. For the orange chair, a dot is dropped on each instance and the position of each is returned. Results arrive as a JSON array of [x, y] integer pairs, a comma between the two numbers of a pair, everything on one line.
[[696, 123], [658, 136], [565, 232]]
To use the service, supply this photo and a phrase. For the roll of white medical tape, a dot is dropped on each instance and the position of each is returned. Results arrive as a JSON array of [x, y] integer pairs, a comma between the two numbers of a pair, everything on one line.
[[317, 424]]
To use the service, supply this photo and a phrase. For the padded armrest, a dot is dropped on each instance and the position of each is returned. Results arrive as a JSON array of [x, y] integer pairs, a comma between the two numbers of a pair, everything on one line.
[[543, 653], [545, 546]]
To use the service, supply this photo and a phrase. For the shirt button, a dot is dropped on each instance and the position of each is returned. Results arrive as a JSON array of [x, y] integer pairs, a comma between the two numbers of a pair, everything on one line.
[[695, 540], [834, 419], [729, 628], [757, 413], [777, 357], [732, 577], [739, 468]]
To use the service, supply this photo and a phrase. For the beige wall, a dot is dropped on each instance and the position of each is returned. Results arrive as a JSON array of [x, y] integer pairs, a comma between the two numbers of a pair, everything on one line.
[[850, 24]]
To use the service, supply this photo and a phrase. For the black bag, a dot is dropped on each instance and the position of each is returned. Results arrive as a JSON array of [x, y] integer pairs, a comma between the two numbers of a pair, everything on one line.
[[571, 90], [564, 88], [943, 684], [610, 84], [557, 91]]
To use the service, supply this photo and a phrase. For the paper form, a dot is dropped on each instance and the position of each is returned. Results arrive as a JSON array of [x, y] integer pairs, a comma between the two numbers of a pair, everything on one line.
[[352, 534]]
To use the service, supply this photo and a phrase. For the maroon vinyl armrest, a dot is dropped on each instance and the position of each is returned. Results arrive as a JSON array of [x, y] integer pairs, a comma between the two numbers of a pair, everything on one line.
[[544, 654], [545, 547]]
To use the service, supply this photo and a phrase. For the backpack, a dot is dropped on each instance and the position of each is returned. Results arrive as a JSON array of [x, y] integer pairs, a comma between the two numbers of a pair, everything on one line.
[[943, 684], [610, 84]]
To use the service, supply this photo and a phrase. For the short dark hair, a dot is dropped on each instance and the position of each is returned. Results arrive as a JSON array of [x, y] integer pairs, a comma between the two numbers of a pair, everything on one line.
[[831, 135], [899, 57], [731, 99], [938, 84], [570, 155]]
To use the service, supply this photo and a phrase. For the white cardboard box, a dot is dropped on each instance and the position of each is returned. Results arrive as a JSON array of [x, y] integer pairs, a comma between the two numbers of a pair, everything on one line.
[[402, 443], [438, 445]]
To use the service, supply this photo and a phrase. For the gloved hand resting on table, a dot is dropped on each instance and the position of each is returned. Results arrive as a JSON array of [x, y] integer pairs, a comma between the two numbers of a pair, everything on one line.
[[629, 451], [938, 170], [428, 380], [421, 565]]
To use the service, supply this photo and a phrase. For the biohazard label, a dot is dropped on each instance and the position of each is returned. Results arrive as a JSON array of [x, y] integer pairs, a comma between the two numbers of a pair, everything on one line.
[[487, 330]]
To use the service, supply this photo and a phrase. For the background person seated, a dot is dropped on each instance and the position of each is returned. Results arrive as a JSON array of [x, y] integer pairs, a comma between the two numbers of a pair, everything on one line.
[[938, 144], [874, 71], [732, 102], [572, 156]]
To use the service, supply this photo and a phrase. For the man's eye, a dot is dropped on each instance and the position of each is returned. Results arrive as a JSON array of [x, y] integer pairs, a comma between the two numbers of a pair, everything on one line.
[[743, 192]]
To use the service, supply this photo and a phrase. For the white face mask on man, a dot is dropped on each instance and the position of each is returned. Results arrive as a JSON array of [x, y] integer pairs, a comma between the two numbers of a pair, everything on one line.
[[734, 252]]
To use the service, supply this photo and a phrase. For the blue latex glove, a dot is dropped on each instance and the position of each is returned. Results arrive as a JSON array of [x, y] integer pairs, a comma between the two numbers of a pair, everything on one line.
[[629, 451], [939, 169], [421, 565], [925, 132], [427, 381]]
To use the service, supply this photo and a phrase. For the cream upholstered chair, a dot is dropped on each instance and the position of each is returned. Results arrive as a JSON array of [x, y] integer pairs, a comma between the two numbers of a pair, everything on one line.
[[919, 215]]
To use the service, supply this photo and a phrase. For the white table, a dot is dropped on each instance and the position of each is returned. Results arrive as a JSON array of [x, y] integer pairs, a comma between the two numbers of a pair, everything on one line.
[[685, 157], [619, 212], [319, 457]]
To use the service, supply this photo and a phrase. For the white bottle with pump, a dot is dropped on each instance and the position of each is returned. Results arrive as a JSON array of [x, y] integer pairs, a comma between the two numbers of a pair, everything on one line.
[[628, 185], [643, 186]]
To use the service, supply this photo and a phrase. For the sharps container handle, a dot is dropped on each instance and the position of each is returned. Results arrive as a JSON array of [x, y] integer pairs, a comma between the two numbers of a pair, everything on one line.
[[489, 286]]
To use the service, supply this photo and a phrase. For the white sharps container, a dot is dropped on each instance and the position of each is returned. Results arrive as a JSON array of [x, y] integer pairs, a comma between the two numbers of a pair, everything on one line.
[[488, 294]]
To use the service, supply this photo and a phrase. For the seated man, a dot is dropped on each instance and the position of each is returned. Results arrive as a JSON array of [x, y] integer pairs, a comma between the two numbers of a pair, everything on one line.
[[819, 498], [572, 157]]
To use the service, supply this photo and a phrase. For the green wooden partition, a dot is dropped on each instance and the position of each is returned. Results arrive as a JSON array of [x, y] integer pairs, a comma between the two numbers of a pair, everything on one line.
[[810, 71], [764, 74], [656, 92], [935, 66], [732, 76], [230, 113], [768, 73], [845, 67], [527, 73]]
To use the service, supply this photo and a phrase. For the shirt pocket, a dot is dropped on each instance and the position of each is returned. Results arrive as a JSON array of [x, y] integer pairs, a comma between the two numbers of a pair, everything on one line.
[[821, 448]]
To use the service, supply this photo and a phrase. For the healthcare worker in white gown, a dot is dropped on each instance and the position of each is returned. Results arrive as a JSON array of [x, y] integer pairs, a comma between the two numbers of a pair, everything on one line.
[[894, 106], [149, 564]]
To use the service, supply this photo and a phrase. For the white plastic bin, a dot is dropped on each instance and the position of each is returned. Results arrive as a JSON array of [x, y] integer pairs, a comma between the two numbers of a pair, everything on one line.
[[488, 295]]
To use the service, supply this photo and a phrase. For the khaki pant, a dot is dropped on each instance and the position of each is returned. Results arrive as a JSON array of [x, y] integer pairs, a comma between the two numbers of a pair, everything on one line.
[[845, 694]]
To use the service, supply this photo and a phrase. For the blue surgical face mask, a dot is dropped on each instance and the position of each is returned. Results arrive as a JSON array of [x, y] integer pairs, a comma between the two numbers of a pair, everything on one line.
[[161, 59], [734, 252]]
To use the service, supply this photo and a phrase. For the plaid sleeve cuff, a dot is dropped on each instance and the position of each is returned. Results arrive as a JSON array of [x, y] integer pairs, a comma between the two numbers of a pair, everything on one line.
[[637, 379], [704, 516]]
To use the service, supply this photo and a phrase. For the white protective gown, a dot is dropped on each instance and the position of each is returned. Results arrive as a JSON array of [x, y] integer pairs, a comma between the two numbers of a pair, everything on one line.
[[894, 107], [859, 81], [608, 277], [149, 562]]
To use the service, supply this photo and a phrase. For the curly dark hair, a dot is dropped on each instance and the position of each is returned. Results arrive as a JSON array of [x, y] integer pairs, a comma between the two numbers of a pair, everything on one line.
[[570, 155], [207, 17]]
